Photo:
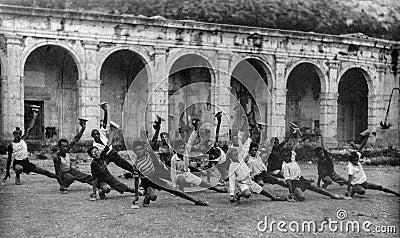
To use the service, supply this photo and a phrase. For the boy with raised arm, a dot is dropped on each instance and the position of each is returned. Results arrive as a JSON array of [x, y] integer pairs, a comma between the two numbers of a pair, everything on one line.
[[154, 175], [102, 178], [100, 141], [163, 147], [239, 175], [18, 150], [216, 156], [180, 172], [62, 162]]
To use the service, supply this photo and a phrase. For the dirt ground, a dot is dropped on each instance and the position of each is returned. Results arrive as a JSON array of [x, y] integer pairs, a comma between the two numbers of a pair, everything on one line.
[[37, 209]]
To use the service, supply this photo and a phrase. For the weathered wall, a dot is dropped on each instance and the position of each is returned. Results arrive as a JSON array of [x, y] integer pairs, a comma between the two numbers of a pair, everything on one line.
[[91, 38]]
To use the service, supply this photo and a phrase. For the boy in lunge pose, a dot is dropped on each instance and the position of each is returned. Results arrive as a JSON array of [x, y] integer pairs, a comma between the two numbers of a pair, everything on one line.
[[62, 163], [102, 178], [18, 150]]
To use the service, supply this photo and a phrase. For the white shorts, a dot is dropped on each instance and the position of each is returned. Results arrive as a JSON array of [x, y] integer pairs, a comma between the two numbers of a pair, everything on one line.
[[251, 185], [190, 178]]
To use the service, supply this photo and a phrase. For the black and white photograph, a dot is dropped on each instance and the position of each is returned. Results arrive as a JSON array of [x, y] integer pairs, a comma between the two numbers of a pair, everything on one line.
[[199, 118]]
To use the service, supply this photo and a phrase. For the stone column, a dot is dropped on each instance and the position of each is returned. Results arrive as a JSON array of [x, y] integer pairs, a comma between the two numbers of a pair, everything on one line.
[[158, 92], [329, 107], [221, 92], [279, 98], [328, 125], [12, 87], [89, 90]]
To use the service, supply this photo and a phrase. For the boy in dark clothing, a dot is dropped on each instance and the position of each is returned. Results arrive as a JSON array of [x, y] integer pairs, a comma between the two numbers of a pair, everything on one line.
[[275, 159], [102, 178], [326, 171]]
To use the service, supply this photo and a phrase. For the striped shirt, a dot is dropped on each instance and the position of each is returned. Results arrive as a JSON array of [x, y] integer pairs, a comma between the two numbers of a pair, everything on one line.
[[145, 165]]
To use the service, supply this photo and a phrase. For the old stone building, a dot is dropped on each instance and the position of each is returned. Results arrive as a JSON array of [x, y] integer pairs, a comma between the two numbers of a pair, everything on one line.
[[68, 62]]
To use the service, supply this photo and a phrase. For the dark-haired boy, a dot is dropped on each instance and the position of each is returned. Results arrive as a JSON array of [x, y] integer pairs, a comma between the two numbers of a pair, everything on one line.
[[326, 171], [102, 178], [180, 173], [163, 147], [357, 182], [296, 183], [239, 176], [62, 163], [100, 141], [154, 175], [18, 150]]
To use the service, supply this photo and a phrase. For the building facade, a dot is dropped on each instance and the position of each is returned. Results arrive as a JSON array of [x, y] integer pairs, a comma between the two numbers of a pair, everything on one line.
[[68, 62]]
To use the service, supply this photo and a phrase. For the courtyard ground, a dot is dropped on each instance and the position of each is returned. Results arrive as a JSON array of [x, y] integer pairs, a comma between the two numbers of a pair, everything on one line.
[[37, 209]]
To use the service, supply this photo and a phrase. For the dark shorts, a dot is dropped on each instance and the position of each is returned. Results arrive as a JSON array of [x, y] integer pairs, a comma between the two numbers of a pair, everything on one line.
[[113, 183], [301, 183], [26, 165], [334, 177], [268, 178], [360, 188]]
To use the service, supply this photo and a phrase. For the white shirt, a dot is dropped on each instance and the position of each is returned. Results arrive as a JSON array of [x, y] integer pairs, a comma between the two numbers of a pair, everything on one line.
[[65, 165], [291, 170], [239, 171], [103, 139], [357, 173], [256, 165], [20, 150]]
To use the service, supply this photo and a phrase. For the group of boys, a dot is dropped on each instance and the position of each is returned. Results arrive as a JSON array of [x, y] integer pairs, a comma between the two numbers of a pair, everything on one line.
[[160, 166]]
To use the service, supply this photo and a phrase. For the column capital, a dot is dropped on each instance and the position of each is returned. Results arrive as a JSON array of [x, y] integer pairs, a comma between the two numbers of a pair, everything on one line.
[[86, 83], [329, 96], [281, 57], [333, 64], [90, 45], [223, 55], [13, 39], [161, 50], [381, 68]]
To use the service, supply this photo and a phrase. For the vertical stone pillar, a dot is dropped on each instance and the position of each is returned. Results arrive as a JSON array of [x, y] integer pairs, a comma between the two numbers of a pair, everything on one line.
[[12, 87], [158, 92], [89, 89], [279, 98], [328, 125], [329, 107], [222, 93]]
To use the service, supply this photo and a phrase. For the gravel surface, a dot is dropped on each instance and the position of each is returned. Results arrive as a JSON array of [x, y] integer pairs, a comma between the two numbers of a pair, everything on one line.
[[37, 209]]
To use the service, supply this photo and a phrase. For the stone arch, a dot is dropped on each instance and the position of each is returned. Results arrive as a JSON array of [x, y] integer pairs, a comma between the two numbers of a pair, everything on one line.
[[51, 72], [191, 77], [354, 94], [139, 51], [268, 69], [25, 54], [176, 55], [319, 70], [251, 85], [305, 81], [124, 76], [366, 73]]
